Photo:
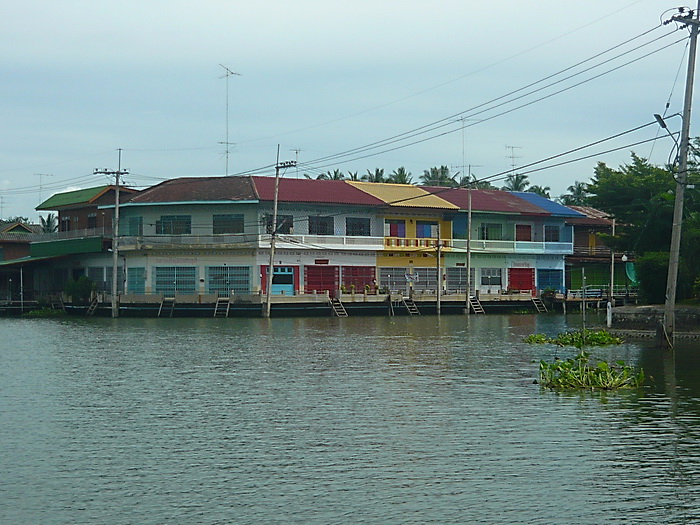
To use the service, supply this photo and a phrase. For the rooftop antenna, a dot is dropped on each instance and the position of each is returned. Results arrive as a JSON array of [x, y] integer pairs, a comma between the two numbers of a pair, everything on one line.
[[513, 156], [41, 176], [296, 159], [227, 143]]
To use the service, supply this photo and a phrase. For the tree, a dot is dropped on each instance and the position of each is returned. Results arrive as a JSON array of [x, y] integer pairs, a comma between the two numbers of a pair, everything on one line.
[[438, 177], [49, 224], [516, 182], [577, 196], [377, 176], [352, 175], [540, 190], [18, 218], [400, 176]]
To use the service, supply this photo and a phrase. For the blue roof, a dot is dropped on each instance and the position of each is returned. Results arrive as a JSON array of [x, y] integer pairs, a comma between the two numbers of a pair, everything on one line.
[[556, 209]]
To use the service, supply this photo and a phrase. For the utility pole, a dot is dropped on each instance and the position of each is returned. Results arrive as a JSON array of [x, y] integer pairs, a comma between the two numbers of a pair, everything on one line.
[[690, 19], [438, 287], [273, 230], [115, 227]]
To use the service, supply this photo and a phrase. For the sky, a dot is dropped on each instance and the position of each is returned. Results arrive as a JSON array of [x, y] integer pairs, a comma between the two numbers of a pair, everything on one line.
[[424, 83]]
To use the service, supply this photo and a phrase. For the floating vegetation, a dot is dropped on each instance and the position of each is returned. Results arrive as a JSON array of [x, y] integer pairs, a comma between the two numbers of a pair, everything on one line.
[[44, 312], [578, 338], [577, 373]]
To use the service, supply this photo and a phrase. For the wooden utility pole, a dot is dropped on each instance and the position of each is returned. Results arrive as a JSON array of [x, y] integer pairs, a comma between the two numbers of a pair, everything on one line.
[[667, 339]]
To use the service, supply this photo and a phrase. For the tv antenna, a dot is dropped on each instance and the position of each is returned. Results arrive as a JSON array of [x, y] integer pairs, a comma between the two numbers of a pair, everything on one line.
[[227, 143], [513, 156], [41, 176]]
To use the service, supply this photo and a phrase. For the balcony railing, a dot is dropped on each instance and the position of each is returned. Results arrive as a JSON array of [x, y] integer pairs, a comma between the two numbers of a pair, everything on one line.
[[312, 241]]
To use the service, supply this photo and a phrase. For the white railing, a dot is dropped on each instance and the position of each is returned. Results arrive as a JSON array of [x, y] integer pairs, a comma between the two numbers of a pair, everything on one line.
[[71, 234]]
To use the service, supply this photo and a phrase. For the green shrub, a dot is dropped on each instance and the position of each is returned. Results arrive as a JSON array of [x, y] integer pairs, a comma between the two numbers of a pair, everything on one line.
[[44, 312], [80, 290]]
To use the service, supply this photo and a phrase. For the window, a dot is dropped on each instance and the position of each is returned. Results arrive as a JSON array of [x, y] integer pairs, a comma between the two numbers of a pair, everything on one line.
[[551, 233], [320, 225], [223, 279], [285, 224], [425, 229], [174, 225], [134, 226], [523, 232], [65, 224], [136, 280], [394, 228], [92, 221], [356, 226], [491, 277], [490, 232], [231, 223]]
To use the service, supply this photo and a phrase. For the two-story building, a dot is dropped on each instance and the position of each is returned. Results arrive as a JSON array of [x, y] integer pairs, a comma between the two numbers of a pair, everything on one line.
[[211, 236]]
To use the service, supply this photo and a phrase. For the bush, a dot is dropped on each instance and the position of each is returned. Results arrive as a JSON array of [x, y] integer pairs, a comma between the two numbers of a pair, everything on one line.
[[80, 290]]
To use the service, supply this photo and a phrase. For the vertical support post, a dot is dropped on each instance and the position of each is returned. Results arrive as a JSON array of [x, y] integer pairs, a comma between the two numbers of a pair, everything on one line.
[[469, 244]]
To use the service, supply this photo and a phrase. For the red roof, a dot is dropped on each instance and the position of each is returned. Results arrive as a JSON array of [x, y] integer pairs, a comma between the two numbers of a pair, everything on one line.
[[487, 200], [312, 190], [199, 189]]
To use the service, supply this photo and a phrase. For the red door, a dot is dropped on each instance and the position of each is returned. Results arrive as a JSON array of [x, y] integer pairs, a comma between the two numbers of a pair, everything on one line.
[[321, 279], [521, 279]]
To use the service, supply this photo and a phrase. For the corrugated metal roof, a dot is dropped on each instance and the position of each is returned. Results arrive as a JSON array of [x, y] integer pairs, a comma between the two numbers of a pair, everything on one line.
[[495, 201], [556, 209], [316, 191], [404, 195], [80, 197], [71, 198], [591, 216], [198, 189]]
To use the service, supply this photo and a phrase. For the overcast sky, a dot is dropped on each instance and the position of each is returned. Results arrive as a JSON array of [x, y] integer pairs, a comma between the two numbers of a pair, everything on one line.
[[84, 78]]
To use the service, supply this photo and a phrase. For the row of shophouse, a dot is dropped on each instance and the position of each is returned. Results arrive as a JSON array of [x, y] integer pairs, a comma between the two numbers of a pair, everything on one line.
[[212, 235]]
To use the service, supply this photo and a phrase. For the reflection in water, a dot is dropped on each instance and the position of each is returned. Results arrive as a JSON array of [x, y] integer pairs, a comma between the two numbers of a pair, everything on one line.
[[323, 420]]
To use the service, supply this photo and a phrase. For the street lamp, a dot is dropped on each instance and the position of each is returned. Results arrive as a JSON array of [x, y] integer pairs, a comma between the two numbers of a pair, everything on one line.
[[627, 290]]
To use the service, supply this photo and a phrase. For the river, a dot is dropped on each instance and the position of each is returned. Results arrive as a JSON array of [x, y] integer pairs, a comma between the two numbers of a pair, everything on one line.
[[325, 420]]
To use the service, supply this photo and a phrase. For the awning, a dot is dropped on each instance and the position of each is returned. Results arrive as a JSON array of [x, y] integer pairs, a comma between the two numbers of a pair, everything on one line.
[[28, 260]]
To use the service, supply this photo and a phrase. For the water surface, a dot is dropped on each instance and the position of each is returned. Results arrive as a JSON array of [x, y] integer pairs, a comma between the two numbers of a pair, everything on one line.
[[356, 420]]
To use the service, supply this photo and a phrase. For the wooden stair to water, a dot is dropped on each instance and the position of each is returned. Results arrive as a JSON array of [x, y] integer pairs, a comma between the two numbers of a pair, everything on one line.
[[541, 307], [93, 306], [57, 303], [411, 306], [222, 307], [475, 305], [338, 308], [168, 303]]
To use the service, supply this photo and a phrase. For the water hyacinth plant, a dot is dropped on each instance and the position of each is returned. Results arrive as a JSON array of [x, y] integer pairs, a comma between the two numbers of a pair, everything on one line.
[[579, 373], [578, 338]]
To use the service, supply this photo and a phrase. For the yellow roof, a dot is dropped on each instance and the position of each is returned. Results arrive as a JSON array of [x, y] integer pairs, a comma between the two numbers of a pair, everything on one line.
[[404, 195]]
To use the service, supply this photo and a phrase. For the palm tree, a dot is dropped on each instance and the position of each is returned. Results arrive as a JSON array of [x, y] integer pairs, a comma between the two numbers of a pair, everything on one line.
[[336, 175], [516, 182], [352, 175], [377, 176], [49, 224], [577, 196], [540, 190], [400, 176], [438, 177]]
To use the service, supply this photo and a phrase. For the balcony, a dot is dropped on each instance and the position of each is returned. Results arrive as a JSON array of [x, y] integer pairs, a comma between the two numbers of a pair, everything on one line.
[[481, 246]]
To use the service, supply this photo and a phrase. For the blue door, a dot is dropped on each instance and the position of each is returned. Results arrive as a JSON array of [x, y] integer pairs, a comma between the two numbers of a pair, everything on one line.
[[283, 280]]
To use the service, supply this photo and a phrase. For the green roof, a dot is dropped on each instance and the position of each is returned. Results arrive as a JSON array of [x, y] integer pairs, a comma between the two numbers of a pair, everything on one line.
[[71, 198]]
